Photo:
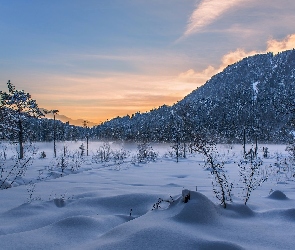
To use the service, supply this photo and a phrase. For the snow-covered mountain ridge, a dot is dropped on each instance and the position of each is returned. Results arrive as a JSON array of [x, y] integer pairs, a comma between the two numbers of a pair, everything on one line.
[[256, 94]]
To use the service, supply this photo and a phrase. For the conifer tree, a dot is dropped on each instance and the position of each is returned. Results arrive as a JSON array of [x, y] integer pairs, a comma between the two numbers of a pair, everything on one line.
[[21, 106]]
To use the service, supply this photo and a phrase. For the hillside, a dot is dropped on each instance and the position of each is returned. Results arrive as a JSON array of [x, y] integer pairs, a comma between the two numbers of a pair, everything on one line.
[[255, 94]]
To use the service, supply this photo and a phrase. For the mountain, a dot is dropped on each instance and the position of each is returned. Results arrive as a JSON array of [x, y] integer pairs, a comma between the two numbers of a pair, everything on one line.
[[77, 122], [254, 96]]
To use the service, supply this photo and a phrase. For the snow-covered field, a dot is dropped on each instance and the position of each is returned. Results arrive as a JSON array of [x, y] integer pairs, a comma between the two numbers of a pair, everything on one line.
[[110, 205]]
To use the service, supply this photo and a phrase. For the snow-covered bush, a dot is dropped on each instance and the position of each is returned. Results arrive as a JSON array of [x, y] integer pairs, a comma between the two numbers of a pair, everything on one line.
[[119, 156], [145, 154], [178, 151], [42, 155], [265, 152], [62, 163], [67, 160], [75, 161], [103, 154], [284, 168]]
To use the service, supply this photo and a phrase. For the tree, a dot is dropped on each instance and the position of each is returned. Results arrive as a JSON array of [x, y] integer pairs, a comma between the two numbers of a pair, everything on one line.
[[21, 107], [176, 128], [4, 124], [54, 112], [87, 135]]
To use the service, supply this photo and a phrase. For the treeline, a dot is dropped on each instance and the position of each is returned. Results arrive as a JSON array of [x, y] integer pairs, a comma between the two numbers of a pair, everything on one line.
[[164, 124], [38, 129]]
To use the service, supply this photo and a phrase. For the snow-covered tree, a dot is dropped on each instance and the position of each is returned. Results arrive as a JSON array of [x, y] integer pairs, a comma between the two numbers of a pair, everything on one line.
[[20, 106]]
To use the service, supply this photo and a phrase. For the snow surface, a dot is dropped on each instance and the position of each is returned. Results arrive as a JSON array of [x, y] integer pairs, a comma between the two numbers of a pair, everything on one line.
[[255, 90], [90, 208]]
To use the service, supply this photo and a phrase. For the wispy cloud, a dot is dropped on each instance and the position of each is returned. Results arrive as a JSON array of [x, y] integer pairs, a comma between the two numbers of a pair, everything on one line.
[[206, 12], [199, 77]]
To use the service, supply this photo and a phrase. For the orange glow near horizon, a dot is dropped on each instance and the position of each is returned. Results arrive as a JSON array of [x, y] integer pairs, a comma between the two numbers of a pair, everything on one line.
[[98, 99], [113, 109]]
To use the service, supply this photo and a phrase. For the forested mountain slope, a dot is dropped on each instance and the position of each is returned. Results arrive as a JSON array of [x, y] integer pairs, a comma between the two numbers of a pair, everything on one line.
[[255, 94]]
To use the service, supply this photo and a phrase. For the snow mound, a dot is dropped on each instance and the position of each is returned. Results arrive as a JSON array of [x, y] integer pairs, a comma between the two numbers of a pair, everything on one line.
[[290, 214], [143, 237], [138, 235], [81, 225], [77, 223], [237, 211], [198, 209], [277, 195], [219, 245], [282, 215], [25, 210], [64, 234], [172, 185], [180, 176], [139, 203]]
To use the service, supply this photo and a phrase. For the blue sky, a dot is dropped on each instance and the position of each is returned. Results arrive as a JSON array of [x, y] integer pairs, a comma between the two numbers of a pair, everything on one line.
[[100, 59]]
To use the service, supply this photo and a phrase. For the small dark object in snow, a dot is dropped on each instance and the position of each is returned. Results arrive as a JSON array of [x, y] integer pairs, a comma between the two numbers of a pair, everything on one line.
[[59, 202], [43, 155], [186, 195]]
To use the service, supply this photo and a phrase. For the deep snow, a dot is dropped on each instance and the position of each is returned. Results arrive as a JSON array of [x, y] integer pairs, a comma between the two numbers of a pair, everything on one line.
[[90, 208]]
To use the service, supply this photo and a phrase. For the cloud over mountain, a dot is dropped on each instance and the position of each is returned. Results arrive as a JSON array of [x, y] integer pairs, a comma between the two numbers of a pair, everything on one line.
[[206, 12]]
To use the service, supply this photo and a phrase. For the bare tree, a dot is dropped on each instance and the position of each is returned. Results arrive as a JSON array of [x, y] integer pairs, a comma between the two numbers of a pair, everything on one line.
[[54, 112], [87, 135]]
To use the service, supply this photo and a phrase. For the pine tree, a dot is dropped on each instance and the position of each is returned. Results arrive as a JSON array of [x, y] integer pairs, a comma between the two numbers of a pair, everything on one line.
[[21, 107]]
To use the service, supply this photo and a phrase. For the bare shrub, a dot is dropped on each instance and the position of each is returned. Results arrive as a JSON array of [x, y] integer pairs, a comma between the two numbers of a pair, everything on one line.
[[251, 176], [222, 187]]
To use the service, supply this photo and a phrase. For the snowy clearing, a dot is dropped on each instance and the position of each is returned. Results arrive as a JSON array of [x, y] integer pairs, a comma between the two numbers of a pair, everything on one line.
[[115, 204]]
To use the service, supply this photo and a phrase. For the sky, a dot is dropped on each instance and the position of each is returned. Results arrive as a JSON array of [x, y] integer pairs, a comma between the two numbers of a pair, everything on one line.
[[98, 59]]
